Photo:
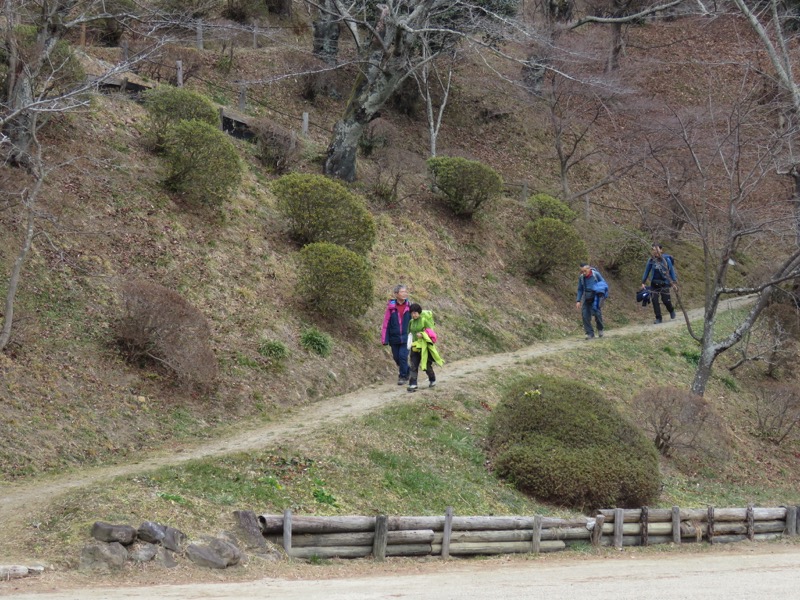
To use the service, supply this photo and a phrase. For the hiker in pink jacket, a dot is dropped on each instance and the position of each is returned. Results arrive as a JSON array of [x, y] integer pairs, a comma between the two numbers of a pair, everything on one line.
[[394, 332]]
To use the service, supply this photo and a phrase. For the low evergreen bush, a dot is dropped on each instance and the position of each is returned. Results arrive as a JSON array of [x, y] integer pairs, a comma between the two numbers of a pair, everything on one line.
[[562, 442], [166, 106], [203, 165], [464, 184], [544, 205], [322, 210], [333, 280], [159, 326], [316, 341], [551, 244]]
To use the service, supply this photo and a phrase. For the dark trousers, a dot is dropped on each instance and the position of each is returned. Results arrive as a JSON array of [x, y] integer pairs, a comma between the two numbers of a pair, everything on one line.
[[661, 292], [592, 306], [416, 358], [400, 355]]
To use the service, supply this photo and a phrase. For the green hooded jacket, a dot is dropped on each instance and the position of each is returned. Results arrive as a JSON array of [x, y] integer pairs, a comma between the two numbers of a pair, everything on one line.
[[424, 344]]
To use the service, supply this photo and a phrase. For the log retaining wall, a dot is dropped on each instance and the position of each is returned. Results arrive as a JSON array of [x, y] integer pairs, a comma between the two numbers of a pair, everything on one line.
[[451, 535]]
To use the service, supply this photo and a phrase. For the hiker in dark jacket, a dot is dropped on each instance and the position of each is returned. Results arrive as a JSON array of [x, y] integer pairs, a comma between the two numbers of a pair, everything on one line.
[[660, 269], [394, 332], [593, 289]]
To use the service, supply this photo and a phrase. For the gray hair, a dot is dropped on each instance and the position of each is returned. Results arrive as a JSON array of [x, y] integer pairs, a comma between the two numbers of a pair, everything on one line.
[[399, 287]]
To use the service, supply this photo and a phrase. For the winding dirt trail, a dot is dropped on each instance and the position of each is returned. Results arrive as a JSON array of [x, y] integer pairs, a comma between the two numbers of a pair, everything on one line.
[[19, 501]]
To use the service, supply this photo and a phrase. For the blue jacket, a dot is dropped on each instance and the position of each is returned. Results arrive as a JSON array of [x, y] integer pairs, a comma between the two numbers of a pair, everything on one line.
[[662, 271], [593, 283], [395, 329]]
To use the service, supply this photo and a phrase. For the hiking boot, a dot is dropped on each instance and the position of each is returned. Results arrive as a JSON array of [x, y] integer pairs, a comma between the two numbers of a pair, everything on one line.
[[402, 381], [600, 333], [672, 314], [431, 383], [657, 322], [412, 387], [589, 337]]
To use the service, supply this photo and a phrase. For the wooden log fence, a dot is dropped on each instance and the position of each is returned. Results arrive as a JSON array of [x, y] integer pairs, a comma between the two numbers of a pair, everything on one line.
[[450, 535]]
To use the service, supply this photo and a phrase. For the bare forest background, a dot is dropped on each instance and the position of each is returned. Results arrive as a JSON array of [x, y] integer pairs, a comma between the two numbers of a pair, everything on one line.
[[155, 291]]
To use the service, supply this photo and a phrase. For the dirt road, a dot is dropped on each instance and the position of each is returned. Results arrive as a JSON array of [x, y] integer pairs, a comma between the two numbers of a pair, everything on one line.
[[20, 501], [766, 572]]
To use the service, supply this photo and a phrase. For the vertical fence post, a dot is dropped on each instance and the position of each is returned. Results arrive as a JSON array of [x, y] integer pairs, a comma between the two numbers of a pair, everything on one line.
[[124, 51], [536, 535], [381, 536], [179, 69], [597, 533], [751, 525], [644, 521], [305, 124], [676, 524], [791, 521], [710, 525], [199, 36], [619, 523], [524, 191], [287, 531], [255, 36], [83, 35], [242, 96], [448, 530], [798, 520]]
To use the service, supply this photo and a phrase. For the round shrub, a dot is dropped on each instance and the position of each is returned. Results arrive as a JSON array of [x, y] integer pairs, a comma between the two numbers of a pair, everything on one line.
[[551, 244], [161, 327], [618, 250], [464, 184], [334, 280], [277, 147], [322, 210], [544, 205], [167, 105], [562, 442], [203, 165]]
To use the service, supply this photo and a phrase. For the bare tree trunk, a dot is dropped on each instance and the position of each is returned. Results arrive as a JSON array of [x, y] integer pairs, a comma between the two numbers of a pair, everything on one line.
[[703, 372], [615, 49], [20, 128], [326, 34], [28, 203], [341, 159], [373, 87], [794, 173], [21, 91]]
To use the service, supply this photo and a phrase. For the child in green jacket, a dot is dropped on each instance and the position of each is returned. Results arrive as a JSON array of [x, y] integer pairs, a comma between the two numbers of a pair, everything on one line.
[[422, 339]]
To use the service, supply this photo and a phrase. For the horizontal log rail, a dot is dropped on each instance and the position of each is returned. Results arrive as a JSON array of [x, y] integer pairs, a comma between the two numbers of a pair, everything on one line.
[[450, 535]]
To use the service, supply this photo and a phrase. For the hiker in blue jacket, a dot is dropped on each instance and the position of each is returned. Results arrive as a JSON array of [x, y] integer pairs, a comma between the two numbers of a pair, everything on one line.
[[593, 289], [660, 269]]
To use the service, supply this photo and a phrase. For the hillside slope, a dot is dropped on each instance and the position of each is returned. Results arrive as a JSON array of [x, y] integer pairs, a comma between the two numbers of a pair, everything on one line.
[[70, 400]]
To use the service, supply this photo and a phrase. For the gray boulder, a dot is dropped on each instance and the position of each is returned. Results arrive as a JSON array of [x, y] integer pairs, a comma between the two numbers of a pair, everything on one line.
[[142, 552], [106, 532], [174, 539], [216, 554], [103, 556], [151, 532]]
